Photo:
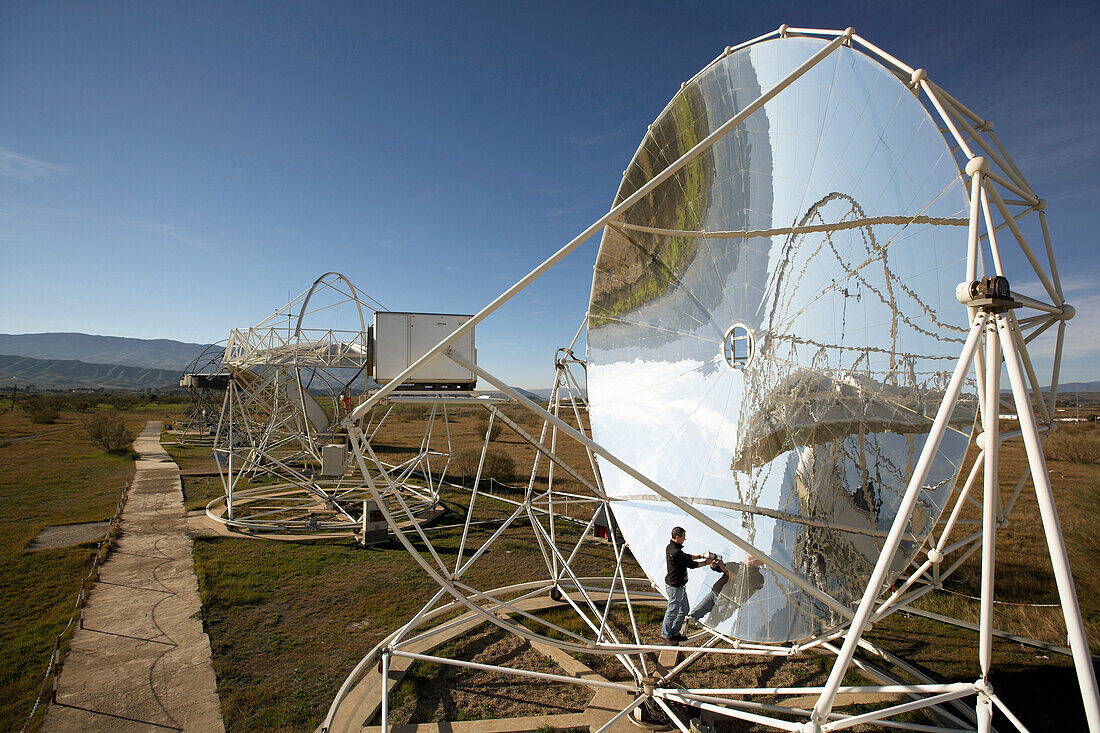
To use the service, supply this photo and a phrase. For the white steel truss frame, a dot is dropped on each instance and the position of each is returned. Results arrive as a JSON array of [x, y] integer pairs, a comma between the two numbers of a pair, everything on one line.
[[265, 431], [1000, 198]]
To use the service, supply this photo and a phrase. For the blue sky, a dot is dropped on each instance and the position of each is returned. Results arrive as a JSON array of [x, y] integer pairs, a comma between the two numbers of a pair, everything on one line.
[[173, 170]]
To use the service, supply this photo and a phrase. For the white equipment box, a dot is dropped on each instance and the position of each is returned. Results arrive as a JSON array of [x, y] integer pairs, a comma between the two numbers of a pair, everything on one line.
[[334, 457], [401, 338], [374, 527]]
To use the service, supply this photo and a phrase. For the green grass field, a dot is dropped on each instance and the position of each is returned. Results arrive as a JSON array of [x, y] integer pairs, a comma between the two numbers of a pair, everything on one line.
[[50, 474]]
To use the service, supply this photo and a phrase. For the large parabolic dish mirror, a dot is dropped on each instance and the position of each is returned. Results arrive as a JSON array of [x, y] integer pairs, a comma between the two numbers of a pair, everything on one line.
[[771, 330]]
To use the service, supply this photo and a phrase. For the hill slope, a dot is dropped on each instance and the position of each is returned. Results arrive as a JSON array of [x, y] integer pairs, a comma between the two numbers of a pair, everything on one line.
[[145, 353], [71, 374]]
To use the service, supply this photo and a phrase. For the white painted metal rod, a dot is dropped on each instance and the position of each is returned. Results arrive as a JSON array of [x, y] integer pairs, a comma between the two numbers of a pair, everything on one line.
[[887, 606], [622, 713], [991, 231], [699, 148], [817, 31], [886, 557], [1011, 186], [879, 52], [1040, 479], [928, 90], [991, 495], [518, 672], [961, 501], [846, 690], [1022, 241], [878, 715], [1050, 255], [1025, 358], [1008, 713], [731, 712], [973, 252], [1036, 304], [993, 154], [996, 632], [957, 104]]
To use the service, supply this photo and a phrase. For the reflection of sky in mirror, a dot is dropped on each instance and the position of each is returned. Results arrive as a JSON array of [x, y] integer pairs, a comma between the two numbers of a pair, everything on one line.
[[857, 329]]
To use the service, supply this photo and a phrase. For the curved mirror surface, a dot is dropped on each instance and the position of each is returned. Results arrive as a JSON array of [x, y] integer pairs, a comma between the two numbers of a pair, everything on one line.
[[836, 232]]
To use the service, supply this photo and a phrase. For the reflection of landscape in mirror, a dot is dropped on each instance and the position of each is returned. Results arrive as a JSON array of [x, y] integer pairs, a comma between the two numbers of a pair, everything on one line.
[[835, 229]]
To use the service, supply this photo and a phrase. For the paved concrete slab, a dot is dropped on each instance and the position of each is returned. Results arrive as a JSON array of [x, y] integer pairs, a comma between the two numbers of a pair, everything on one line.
[[142, 662], [66, 535]]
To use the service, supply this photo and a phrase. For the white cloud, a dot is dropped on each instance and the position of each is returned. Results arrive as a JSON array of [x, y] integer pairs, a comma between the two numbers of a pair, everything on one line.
[[14, 165]]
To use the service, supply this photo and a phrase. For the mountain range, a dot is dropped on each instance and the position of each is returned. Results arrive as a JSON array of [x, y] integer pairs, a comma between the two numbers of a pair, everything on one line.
[[51, 374], [86, 361], [144, 353]]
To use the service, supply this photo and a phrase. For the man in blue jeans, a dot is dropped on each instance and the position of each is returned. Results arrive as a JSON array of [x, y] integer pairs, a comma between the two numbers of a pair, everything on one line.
[[677, 563]]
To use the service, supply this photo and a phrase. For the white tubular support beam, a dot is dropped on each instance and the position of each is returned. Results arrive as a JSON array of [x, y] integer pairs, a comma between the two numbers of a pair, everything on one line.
[[1042, 327], [518, 672], [814, 31], [962, 108], [1025, 358], [623, 713], [1050, 254], [1040, 478], [991, 497], [730, 712], [960, 502], [779, 568], [385, 689], [1036, 304], [1056, 371], [1022, 241], [866, 607], [882, 54], [1011, 186], [746, 44], [701, 147], [877, 716], [993, 154], [973, 252], [948, 120], [994, 249]]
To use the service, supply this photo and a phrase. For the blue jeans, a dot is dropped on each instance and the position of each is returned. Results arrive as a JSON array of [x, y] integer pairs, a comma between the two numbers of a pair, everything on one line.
[[676, 612], [705, 606]]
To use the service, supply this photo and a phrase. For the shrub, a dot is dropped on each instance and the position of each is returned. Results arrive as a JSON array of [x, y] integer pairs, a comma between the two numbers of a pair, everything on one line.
[[107, 431], [41, 409], [483, 425], [498, 465], [1073, 448]]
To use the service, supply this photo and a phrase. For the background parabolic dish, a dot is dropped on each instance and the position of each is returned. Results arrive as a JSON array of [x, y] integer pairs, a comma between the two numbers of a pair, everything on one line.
[[802, 439]]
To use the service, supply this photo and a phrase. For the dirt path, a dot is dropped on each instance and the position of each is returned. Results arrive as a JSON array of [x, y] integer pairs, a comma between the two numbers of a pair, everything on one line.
[[142, 660]]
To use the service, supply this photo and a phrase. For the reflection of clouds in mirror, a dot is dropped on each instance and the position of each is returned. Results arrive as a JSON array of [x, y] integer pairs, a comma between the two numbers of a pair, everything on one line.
[[806, 451]]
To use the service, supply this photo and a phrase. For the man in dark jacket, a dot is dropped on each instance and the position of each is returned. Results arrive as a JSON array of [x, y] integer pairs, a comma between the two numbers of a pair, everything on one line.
[[678, 563]]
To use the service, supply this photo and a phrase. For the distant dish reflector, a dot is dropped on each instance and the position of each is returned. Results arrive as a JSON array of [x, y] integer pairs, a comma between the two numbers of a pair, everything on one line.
[[772, 328]]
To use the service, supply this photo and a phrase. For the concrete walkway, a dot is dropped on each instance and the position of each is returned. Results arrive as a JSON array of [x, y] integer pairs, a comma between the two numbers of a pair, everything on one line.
[[142, 662]]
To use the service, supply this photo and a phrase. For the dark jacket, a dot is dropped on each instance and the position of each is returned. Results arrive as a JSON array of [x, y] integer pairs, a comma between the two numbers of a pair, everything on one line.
[[677, 562], [721, 582]]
